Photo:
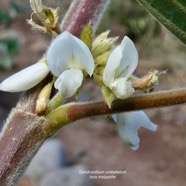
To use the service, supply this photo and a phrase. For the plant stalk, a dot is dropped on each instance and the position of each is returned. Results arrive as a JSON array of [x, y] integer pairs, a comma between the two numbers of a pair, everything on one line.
[[75, 111], [141, 102], [81, 12]]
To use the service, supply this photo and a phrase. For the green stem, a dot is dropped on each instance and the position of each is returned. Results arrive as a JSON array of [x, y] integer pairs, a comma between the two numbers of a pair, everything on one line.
[[56, 101]]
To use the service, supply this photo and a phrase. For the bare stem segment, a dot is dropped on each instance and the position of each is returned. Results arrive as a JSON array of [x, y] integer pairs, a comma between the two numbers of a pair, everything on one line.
[[75, 111], [145, 101], [81, 12]]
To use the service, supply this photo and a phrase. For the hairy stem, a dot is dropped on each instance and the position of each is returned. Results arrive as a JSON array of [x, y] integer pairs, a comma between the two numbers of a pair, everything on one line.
[[19, 142], [81, 12], [77, 111], [141, 102]]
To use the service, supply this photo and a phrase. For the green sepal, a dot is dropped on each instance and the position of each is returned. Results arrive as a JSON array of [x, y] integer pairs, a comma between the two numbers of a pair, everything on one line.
[[87, 35], [98, 78], [49, 14], [102, 59], [104, 46], [109, 97]]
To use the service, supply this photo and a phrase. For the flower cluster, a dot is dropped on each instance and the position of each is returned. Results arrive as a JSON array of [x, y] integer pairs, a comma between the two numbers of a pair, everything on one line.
[[70, 61]]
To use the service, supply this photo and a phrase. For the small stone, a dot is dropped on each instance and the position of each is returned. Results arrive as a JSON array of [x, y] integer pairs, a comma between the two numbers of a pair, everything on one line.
[[24, 181], [50, 156], [71, 176]]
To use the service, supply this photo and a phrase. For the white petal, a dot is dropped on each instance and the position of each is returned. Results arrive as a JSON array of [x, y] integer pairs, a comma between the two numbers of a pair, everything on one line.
[[83, 56], [69, 82], [122, 62], [36, 5], [112, 66], [67, 52], [26, 78], [128, 124], [129, 59], [122, 88]]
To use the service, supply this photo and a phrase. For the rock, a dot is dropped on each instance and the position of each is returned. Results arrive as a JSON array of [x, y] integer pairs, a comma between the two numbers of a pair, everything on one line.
[[24, 181], [50, 156], [70, 176]]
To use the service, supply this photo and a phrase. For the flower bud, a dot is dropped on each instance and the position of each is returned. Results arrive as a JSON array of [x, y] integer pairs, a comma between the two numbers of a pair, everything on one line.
[[102, 44]]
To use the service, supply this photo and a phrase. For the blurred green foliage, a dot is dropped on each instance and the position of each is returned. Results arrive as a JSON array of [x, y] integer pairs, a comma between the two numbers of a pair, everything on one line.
[[136, 22], [9, 46], [12, 45], [7, 16]]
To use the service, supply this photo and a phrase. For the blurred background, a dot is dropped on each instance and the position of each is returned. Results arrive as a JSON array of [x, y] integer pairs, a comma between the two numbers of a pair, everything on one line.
[[94, 142]]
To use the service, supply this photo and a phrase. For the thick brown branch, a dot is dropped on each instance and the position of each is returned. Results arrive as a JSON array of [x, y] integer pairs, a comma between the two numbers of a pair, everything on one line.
[[75, 111], [19, 142], [146, 101]]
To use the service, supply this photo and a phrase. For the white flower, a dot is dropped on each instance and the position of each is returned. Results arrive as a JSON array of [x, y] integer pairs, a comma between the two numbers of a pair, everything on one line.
[[120, 65], [68, 57], [128, 124], [69, 81], [26, 78]]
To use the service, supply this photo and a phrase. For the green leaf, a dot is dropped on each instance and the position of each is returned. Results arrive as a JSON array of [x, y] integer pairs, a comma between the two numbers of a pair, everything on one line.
[[109, 97], [172, 14], [87, 35]]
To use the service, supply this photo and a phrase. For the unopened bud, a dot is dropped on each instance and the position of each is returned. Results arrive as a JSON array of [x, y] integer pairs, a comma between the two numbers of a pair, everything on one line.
[[103, 44]]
